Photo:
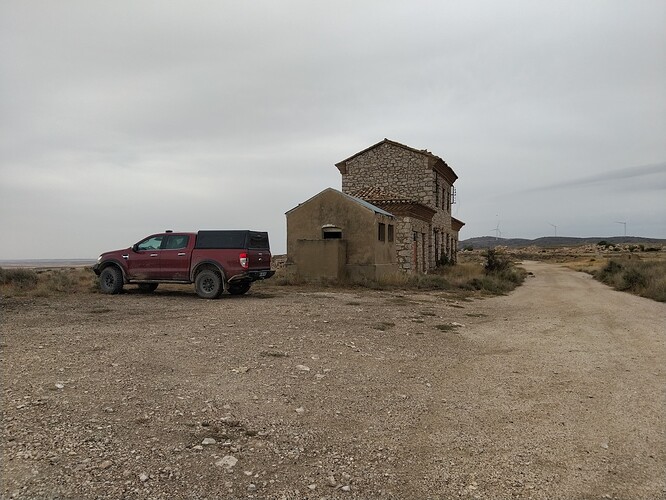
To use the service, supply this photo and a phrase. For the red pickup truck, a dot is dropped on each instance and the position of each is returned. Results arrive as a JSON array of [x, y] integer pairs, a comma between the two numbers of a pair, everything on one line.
[[214, 261]]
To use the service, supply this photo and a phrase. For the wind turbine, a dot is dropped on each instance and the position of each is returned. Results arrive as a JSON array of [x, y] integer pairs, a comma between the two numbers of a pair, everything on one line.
[[624, 224], [554, 227], [498, 233]]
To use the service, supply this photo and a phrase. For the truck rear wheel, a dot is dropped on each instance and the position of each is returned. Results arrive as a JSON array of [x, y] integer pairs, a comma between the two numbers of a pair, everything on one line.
[[239, 289], [111, 280], [208, 284]]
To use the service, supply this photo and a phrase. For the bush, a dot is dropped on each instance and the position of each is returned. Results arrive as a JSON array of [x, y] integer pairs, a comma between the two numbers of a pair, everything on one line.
[[22, 279], [634, 279], [496, 262], [646, 278], [46, 282]]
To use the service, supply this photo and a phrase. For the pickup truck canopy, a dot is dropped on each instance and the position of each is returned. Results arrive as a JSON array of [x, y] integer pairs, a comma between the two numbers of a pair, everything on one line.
[[251, 240]]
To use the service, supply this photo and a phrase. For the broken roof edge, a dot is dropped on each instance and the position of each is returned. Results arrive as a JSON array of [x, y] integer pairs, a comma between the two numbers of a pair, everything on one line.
[[438, 164], [456, 222], [358, 201]]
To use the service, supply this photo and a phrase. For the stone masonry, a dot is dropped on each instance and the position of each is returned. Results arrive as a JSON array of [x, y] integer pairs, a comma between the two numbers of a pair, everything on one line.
[[417, 187]]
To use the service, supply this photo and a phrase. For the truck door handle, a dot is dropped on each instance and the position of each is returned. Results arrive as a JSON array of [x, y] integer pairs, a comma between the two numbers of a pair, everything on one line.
[[153, 255], [181, 254], [126, 256]]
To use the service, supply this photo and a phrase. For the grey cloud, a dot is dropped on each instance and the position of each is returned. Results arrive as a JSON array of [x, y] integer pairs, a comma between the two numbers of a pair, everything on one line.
[[215, 100]]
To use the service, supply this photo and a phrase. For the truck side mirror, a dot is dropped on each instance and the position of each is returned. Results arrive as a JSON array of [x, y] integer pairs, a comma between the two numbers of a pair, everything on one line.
[[135, 247]]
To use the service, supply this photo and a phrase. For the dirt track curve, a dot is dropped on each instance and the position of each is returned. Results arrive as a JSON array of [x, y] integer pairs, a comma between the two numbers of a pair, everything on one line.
[[556, 391]]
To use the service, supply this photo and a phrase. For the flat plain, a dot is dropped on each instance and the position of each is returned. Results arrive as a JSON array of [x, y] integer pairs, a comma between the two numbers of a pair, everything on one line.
[[553, 391]]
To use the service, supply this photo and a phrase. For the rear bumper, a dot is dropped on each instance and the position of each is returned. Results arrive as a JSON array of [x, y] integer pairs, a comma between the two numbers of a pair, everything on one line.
[[250, 276]]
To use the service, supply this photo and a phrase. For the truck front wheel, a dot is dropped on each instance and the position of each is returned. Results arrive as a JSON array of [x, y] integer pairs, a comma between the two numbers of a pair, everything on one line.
[[208, 284], [111, 280]]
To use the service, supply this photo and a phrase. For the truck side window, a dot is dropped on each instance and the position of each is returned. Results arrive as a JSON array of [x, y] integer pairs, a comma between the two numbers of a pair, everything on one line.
[[177, 242], [153, 243]]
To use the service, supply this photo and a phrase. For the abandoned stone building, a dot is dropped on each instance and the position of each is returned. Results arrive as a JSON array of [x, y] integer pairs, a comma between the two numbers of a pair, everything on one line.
[[394, 213], [416, 187]]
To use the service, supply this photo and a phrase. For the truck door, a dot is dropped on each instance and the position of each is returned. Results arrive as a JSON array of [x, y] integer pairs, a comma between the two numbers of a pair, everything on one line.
[[143, 262], [175, 257]]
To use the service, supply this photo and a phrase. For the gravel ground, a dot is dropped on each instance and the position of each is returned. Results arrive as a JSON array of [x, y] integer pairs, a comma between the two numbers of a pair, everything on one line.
[[554, 391]]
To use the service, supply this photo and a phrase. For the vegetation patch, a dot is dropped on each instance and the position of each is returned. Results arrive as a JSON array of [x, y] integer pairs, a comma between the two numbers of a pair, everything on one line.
[[447, 327], [18, 279], [646, 278], [45, 282], [383, 326]]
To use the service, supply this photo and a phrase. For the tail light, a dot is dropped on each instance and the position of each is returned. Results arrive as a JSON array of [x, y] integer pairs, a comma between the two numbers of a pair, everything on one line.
[[244, 260]]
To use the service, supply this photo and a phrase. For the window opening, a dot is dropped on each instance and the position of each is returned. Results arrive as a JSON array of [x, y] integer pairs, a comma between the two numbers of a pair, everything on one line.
[[331, 233], [381, 235]]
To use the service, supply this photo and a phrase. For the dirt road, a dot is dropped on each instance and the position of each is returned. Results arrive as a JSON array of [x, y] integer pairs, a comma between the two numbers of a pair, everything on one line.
[[555, 391]]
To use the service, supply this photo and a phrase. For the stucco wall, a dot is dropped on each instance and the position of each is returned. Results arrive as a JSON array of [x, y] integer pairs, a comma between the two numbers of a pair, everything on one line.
[[317, 259], [359, 227]]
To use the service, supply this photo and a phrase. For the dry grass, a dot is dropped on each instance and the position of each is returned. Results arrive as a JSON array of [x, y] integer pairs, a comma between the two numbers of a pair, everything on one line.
[[21, 282], [641, 276], [468, 277]]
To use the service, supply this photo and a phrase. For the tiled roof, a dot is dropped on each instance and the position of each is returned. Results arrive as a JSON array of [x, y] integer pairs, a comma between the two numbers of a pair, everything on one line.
[[368, 205], [379, 194]]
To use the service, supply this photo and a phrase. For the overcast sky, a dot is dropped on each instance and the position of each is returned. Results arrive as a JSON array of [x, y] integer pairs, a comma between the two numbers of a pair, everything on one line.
[[121, 119]]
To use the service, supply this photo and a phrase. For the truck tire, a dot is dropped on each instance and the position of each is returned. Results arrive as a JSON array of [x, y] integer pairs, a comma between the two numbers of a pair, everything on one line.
[[208, 284], [111, 280], [239, 289], [147, 287]]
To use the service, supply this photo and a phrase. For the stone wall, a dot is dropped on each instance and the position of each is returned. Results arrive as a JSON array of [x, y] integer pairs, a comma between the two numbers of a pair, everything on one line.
[[393, 168], [408, 174]]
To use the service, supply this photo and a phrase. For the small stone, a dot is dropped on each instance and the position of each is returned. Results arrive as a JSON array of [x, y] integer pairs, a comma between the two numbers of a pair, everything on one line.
[[105, 464], [604, 445], [251, 487], [312, 486], [303, 368], [346, 488], [208, 441], [197, 447], [60, 385], [143, 477], [300, 410], [228, 461], [330, 480]]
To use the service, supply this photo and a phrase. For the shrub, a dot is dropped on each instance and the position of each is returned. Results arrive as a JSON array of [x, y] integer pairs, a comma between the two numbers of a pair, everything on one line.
[[21, 279], [634, 279], [496, 262], [46, 282], [646, 278]]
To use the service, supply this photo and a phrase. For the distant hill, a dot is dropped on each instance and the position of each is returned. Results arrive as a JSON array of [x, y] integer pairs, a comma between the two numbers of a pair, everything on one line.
[[554, 241]]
